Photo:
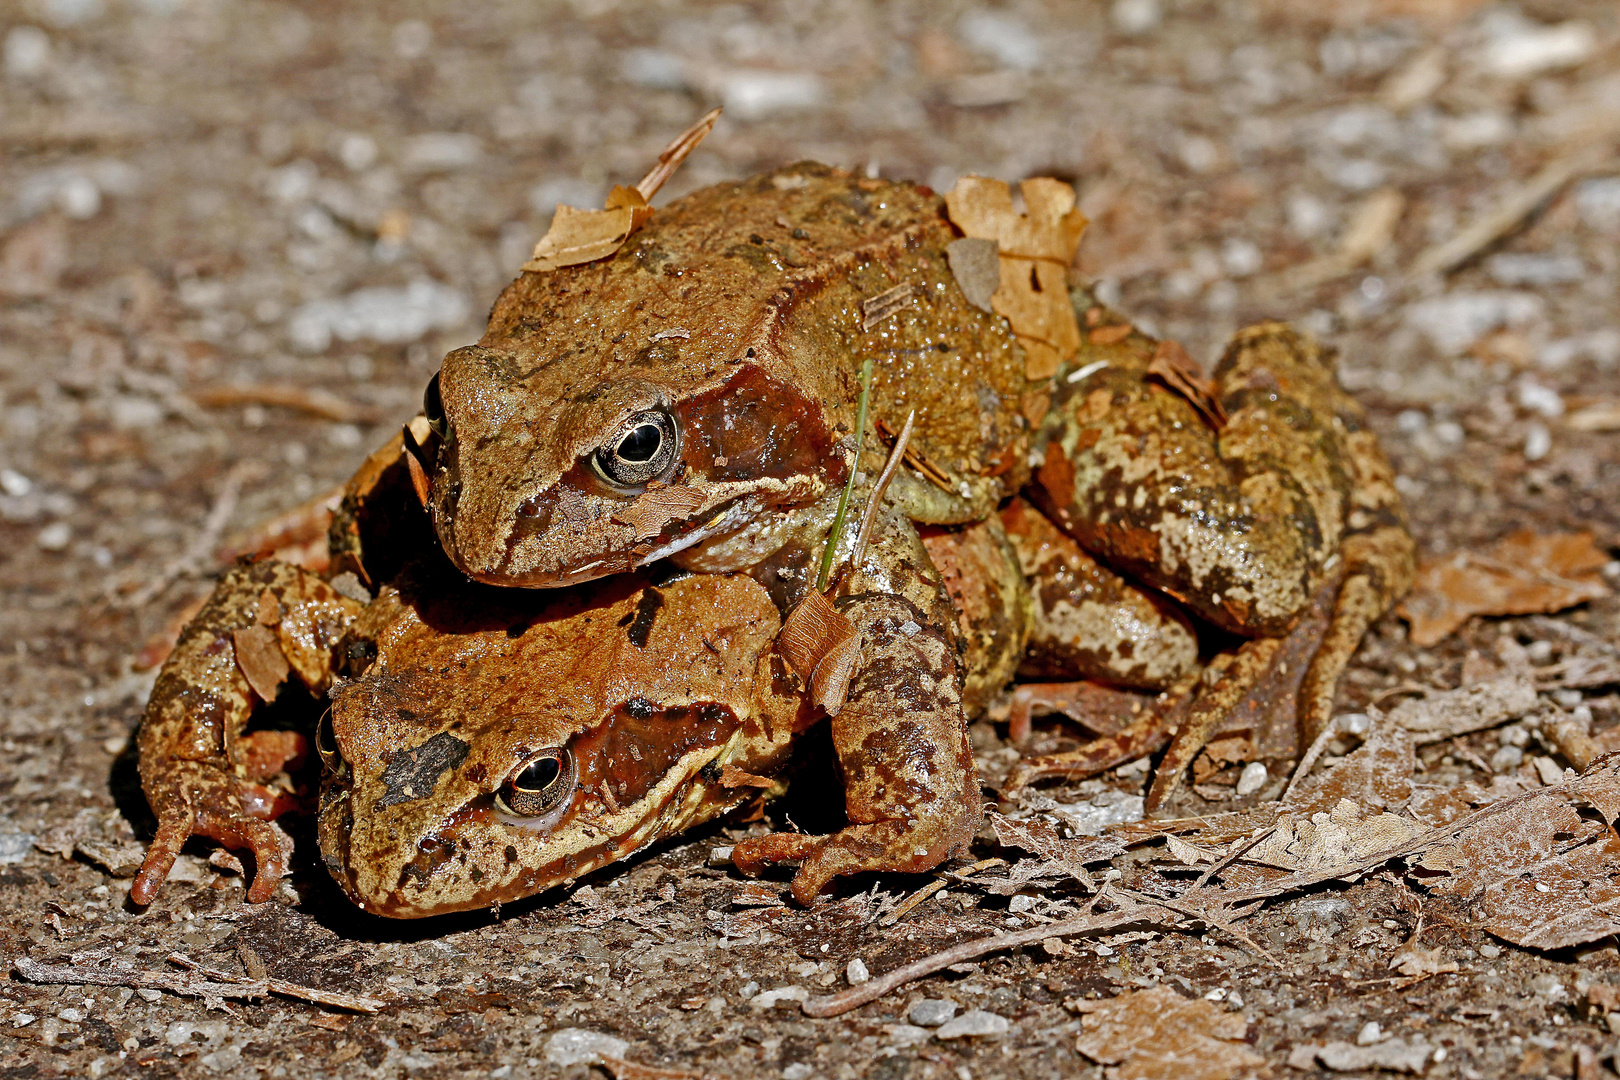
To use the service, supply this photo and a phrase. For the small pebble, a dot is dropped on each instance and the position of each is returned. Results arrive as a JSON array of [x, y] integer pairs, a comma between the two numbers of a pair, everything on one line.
[[1133, 18], [856, 972], [975, 1022], [931, 1012], [1370, 1033], [1507, 759], [1489, 952], [54, 537], [1254, 778], [14, 483], [1021, 903], [577, 1046]]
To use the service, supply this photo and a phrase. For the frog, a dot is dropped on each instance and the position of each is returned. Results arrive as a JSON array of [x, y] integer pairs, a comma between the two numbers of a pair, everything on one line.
[[663, 687], [693, 397]]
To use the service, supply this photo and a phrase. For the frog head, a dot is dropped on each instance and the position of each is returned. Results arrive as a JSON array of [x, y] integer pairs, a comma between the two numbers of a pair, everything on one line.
[[622, 410], [559, 744]]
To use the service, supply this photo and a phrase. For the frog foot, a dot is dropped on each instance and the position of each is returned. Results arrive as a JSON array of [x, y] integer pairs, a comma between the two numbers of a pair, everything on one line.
[[897, 846], [201, 800], [1293, 677], [1155, 723]]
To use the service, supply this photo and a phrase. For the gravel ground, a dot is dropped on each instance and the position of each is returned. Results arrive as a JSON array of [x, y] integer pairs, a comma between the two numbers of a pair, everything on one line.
[[197, 195]]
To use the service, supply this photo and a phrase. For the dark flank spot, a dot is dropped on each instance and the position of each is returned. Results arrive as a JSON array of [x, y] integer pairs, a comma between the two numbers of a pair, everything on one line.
[[511, 854], [413, 774], [639, 708], [710, 772], [641, 623]]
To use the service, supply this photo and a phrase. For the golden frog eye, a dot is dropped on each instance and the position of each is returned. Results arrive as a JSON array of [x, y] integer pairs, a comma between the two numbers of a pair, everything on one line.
[[642, 449], [539, 787]]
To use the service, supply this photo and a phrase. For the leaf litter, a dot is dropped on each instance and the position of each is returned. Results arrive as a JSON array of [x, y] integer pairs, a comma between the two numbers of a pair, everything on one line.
[[1522, 574]]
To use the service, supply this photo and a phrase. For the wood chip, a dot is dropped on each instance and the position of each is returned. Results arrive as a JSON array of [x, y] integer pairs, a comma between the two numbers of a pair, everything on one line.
[[882, 306]]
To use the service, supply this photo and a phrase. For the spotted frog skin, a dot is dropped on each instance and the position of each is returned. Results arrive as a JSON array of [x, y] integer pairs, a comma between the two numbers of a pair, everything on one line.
[[693, 397]]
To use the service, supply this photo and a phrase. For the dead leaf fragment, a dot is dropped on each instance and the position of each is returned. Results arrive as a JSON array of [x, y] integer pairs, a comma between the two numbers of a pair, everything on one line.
[[259, 655], [1536, 872], [1377, 775], [1345, 837], [1064, 855], [1159, 1035], [1525, 573], [1413, 960], [1450, 713], [821, 644], [1175, 368], [976, 266], [1391, 1055], [581, 236], [659, 506], [1035, 249]]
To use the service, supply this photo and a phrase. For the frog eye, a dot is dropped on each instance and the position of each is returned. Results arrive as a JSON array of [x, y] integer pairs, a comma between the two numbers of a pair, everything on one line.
[[326, 745], [540, 787], [642, 449], [433, 407]]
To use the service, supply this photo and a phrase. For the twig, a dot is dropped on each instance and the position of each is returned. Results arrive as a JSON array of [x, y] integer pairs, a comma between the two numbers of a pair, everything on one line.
[[216, 984], [1318, 745], [1506, 214], [319, 403], [876, 499], [856, 996], [335, 998], [675, 153], [837, 529], [911, 902]]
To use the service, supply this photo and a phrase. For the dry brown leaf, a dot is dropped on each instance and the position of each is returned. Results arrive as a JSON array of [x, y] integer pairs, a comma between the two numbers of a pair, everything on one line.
[[976, 266], [1345, 836], [1175, 367], [1523, 574], [731, 776], [1159, 1035], [259, 655], [1377, 774], [1391, 1055], [821, 644], [1450, 713], [620, 1069], [1064, 855], [1414, 960], [1537, 873], [656, 508], [1035, 250], [582, 236]]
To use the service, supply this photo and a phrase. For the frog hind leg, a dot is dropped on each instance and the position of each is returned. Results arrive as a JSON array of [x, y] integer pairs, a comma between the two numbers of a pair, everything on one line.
[[193, 756], [911, 792], [1146, 733]]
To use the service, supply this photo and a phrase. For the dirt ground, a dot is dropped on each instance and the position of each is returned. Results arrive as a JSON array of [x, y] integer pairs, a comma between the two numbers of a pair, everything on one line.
[[198, 196]]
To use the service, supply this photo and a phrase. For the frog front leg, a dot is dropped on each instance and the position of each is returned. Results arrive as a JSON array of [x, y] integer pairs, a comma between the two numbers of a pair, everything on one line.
[[911, 791], [263, 622]]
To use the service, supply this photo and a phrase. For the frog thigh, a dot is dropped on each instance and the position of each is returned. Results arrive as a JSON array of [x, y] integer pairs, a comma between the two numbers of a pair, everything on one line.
[[1237, 524], [910, 788], [1088, 622]]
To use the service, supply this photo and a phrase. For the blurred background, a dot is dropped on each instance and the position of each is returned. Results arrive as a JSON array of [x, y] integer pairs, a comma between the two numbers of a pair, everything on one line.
[[236, 237]]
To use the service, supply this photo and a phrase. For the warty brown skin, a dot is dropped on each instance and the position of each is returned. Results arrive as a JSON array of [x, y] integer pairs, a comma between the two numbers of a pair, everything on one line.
[[769, 279]]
